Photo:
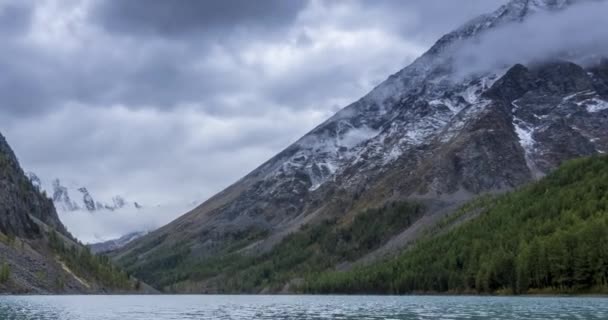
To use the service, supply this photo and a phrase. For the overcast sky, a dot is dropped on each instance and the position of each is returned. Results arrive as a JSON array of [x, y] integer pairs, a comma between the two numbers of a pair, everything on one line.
[[171, 101]]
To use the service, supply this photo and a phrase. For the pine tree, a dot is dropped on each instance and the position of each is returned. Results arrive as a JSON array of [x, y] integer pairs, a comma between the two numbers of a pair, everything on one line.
[[5, 272]]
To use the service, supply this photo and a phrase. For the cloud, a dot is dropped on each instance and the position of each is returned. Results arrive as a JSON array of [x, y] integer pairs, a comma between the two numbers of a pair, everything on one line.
[[151, 156], [166, 103], [14, 18], [187, 17], [92, 227], [425, 20], [575, 32]]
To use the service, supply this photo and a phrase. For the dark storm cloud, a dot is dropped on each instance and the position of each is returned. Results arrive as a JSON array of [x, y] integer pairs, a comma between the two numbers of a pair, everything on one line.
[[158, 76], [139, 72], [179, 66], [171, 18], [18, 74], [14, 18], [24, 85]]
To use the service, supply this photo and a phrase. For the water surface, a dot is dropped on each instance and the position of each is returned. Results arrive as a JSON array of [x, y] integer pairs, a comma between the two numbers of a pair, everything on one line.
[[298, 307]]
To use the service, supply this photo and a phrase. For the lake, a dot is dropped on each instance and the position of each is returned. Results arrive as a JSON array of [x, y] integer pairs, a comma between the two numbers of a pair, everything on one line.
[[298, 307]]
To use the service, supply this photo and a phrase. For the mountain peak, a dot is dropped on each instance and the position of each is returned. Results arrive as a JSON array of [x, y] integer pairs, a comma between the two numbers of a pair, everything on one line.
[[437, 61], [422, 135], [513, 11], [544, 4]]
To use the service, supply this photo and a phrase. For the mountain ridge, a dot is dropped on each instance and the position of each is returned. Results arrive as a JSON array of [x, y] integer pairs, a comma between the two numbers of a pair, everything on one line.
[[421, 134], [115, 244], [37, 253]]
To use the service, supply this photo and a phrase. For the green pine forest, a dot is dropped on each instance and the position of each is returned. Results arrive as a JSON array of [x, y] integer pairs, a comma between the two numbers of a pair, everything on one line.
[[545, 238], [314, 248], [89, 265]]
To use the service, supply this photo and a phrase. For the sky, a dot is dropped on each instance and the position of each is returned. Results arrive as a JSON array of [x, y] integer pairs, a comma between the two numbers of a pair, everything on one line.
[[169, 102]]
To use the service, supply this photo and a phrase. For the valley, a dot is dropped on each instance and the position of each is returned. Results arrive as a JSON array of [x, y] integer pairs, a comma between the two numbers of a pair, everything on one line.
[[478, 168]]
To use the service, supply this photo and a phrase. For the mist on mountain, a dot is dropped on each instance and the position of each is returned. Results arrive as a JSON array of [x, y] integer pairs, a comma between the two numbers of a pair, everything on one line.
[[578, 34]]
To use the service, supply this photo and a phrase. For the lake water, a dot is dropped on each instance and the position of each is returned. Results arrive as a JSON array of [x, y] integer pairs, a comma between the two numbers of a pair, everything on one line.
[[298, 307]]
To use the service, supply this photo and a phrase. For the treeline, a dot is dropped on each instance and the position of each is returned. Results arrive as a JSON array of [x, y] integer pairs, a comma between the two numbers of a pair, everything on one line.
[[90, 266], [549, 237], [312, 249]]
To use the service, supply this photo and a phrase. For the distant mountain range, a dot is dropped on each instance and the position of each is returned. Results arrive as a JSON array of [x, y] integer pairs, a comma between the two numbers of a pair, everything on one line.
[[110, 245], [37, 254], [75, 198]]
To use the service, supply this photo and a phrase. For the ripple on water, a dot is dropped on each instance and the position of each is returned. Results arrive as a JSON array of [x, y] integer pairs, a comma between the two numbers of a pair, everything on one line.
[[298, 307]]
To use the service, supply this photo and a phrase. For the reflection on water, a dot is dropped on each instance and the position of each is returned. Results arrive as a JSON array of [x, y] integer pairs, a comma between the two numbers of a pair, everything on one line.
[[298, 307]]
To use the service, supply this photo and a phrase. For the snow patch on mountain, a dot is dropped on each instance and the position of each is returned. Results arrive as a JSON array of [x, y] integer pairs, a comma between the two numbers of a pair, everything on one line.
[[355, 136], [524, 133], [594, 105], [342, 142], [387, 122]]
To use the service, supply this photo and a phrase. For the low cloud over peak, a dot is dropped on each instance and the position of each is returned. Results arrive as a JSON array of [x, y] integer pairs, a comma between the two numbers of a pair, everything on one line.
[[579, 31], [171, 103]]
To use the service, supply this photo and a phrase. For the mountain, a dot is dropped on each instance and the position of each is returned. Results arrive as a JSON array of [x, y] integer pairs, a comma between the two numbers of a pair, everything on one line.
[[500, 248], [37, 253], [114, 244], [75, 198], [427, 135], [22, 204]]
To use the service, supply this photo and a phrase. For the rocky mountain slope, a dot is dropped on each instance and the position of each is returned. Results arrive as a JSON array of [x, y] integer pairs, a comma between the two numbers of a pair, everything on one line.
[[114, 244], [74, 198], [37, 254], [427, 134]]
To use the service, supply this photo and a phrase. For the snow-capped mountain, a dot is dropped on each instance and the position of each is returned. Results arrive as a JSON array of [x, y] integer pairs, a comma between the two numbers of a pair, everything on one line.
[[75, 198], [429, 132]]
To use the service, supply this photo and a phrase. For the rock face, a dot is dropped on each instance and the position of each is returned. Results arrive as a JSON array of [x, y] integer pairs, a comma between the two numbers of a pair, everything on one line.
[[558, 111], [24, 212], [88, 201], [61, 196], [20, 200], [423, 134]]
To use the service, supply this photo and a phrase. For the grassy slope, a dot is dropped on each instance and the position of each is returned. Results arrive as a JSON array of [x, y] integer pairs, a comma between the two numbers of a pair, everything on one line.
[[55, 264], [312, 249], [549, 237]]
